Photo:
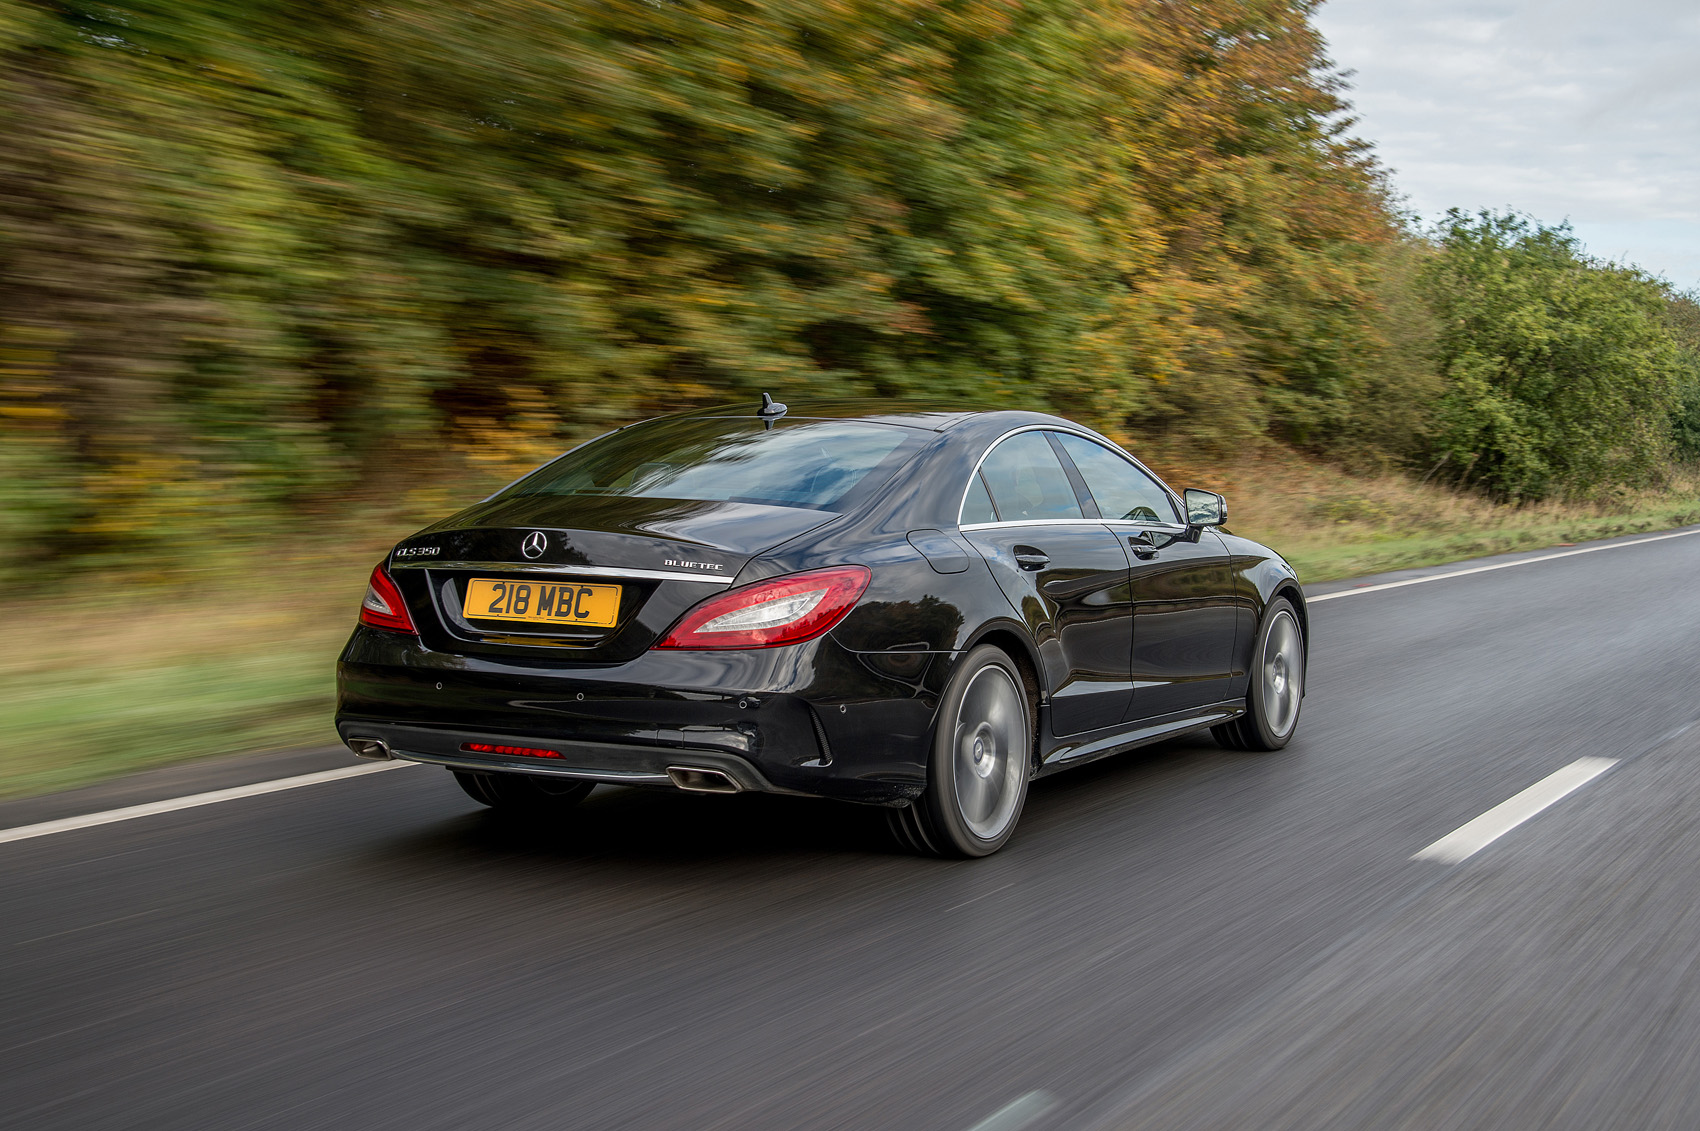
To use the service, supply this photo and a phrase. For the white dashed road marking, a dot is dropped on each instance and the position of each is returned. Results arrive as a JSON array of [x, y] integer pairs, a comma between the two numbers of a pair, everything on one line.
[[1021, 1113], [1465, 842]]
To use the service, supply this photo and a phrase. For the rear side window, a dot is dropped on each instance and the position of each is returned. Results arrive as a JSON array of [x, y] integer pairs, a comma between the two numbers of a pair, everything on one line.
[[815, 464], [1121, 490], [1027, 480]]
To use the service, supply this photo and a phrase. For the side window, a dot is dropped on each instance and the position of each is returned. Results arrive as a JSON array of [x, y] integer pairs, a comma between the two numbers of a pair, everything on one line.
[[1122, 490], [1027, 480], [977, 506]]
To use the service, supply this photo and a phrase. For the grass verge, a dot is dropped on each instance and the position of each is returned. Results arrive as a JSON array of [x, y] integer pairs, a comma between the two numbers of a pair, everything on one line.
[[1332, 525], [112, 675], [149, 675]]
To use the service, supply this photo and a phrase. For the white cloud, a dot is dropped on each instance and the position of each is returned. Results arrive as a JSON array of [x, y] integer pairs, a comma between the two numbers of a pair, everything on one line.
[[1564, 109]]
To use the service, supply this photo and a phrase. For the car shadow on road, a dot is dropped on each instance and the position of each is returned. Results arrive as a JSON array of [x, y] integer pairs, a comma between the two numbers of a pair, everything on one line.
[[655, 827]]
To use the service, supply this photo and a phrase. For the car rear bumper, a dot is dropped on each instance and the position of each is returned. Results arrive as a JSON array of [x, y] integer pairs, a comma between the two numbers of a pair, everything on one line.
[[812, 719], [616, 764]]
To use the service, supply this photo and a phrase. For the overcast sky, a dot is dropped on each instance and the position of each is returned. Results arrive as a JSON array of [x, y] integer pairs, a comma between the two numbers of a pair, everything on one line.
[[1564, 109]]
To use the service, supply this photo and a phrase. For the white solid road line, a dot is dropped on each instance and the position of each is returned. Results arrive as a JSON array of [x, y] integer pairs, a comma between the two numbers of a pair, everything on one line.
[[1491, 568], [194, 800], [1465, 842]]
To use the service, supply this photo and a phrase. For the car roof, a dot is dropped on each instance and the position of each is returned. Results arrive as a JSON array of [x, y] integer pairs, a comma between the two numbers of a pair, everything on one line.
[[931, 415]]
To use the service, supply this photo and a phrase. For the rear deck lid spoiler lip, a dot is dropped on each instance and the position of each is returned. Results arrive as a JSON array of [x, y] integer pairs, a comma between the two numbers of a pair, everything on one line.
[[566, 570]]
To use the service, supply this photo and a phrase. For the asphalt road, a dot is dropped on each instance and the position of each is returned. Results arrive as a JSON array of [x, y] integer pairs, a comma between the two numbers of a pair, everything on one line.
[[1181, 937]]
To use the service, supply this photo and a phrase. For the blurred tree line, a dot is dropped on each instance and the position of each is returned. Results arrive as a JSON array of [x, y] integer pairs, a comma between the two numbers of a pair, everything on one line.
[[260, 256]]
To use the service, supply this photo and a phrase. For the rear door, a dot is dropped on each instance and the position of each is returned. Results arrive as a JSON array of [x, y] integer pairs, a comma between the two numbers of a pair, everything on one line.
[[1182, 585], [1066, 574]]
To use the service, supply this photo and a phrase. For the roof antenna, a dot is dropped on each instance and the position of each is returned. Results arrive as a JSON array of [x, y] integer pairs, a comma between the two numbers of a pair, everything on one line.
[[770, 410]]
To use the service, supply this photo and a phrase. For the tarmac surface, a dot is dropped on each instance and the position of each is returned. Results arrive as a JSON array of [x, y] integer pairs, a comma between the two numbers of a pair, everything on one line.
[[1178, 937]]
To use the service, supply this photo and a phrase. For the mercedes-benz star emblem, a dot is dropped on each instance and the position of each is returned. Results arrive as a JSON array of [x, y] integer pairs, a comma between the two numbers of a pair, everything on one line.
[[534, 545]]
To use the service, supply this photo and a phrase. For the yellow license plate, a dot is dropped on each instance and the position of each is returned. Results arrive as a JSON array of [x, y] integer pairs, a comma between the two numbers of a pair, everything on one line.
[[542, 602]]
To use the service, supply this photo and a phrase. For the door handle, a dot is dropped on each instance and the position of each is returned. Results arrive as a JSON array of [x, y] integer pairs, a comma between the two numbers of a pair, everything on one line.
[[1143, 545], [1030, 558]]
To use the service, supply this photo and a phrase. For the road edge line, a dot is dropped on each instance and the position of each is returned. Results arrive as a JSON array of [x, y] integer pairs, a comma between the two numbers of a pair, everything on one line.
[[190, 801], [1490, 568]]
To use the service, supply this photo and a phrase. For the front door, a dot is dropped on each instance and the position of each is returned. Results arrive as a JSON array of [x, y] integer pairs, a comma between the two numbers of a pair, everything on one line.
[[1183, 623], [1066, 575], [1181, 586]]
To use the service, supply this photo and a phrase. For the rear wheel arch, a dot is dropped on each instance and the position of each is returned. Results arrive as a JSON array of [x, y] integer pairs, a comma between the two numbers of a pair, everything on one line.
[[1026, 657], [976, 777]]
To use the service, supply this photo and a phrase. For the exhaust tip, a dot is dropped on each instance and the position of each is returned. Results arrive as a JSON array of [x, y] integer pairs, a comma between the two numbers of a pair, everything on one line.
[[698, 780], [374, 748]]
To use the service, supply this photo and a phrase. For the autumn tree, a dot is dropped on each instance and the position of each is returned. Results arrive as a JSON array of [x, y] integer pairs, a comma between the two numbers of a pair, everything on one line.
[[256, 255]]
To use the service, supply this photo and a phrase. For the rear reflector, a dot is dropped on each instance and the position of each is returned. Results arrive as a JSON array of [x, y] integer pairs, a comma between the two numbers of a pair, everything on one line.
[[525, 751]]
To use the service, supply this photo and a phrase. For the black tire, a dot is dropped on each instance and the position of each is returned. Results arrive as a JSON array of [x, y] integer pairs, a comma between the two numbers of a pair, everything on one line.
[[1277, 684], [981, 759], [525, 795]]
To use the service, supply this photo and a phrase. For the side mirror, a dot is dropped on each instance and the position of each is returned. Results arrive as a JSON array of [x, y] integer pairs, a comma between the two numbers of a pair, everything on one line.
[[1205, 508]]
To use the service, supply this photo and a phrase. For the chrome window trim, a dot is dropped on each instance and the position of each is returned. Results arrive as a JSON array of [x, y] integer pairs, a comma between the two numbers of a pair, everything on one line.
[[1179, 503], [1031, 522], [1175, 499], [1132, 524], [564, 570], [969, 482], [1112, 523]]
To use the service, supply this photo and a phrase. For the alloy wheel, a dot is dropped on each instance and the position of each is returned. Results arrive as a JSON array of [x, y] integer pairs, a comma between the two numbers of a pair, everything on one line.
[[990, 748]]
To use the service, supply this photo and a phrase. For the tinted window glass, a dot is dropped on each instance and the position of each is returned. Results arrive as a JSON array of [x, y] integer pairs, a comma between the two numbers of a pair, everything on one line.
[[816, 464], [977, 507], [1121, 490], [1027, 480]]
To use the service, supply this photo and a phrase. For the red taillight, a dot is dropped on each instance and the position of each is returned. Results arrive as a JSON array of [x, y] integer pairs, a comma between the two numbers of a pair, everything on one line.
[[785, 610], [492, 748], [383, 606]]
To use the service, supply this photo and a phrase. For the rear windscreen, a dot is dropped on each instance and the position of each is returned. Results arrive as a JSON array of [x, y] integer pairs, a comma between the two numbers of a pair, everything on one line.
[[817, 464]]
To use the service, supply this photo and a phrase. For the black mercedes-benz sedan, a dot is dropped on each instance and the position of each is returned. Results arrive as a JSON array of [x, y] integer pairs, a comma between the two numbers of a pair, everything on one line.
[[913, 608]]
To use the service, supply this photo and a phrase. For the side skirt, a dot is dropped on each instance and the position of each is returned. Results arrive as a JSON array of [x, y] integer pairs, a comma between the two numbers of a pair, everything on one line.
[[1078, 751]]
